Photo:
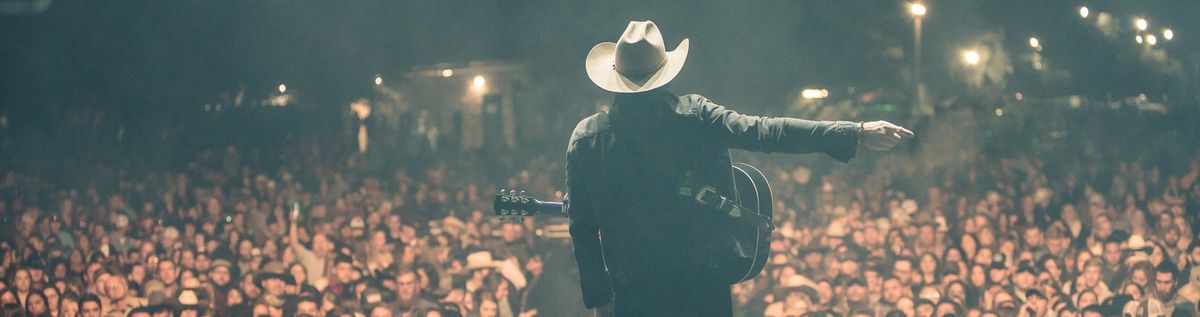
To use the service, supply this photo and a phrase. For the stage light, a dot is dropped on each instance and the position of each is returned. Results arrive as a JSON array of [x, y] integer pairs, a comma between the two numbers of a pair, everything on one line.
[[917, 9], [282, 88], [479, 82], [999, 112], [1151, 39], [378, 80], [971, 57], [1142, 24], [447, 72], [1138, 39], [1033, 42], [1168, 34], [1083, 12]]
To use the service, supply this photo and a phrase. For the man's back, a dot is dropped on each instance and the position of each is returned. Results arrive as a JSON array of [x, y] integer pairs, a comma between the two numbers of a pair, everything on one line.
[[625, 170]]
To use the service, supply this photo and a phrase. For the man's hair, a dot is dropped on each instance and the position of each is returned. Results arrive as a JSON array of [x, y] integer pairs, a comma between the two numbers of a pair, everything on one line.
[[1167, 267], [90, 298]]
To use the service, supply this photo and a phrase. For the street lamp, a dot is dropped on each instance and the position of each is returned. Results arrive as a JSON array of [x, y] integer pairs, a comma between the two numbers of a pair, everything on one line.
[[918, 11]]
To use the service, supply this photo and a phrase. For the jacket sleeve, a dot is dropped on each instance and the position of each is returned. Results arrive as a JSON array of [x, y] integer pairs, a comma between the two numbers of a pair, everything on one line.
[[585, 235], [838, 139]]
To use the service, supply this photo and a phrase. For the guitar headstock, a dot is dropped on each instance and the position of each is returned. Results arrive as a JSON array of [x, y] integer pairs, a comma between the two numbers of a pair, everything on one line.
[[514, 206]]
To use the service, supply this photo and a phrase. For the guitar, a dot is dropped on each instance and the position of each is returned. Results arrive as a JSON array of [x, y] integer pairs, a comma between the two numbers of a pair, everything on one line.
[[751, 196]]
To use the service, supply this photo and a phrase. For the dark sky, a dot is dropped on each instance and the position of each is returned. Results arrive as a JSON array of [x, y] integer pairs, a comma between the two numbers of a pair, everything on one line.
[[134, 54]]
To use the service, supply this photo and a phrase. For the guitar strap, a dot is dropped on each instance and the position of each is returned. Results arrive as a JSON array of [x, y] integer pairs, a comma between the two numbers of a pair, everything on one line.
[[707, 195]]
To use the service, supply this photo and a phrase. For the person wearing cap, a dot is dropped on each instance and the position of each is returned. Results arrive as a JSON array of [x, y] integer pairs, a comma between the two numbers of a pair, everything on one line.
[[639, 150], [1023, 280], [340, 285]]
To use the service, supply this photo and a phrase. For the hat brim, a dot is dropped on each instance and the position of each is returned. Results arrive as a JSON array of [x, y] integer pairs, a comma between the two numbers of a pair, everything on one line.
[[263, 277], [602, 71]]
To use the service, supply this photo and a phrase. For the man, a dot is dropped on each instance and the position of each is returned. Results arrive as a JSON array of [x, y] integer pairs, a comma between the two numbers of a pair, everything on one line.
[[89, 306], [303, 306], [316, 259], [626, 168], [408, 295], [1165, 280], [120, 302], [168, 275]]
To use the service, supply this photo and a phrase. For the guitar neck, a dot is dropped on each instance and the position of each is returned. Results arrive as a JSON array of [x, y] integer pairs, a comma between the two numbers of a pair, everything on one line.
[[513, 204]]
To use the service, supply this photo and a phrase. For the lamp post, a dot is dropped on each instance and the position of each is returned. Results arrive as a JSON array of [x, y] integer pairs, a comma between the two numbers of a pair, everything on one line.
[[918, 11]]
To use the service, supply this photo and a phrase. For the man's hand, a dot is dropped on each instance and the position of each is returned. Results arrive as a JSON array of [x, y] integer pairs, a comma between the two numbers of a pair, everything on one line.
[[882, 135], [603, 311]]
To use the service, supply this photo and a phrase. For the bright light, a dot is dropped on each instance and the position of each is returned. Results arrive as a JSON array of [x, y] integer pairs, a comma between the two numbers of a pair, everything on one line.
[[1083, 12], [917, 9], [1151, 39], [478, 82], [971, 57], [1168, 34], [999, 112], [378, 80], [1138, 39], [282, 88], [1142, 24], [1033, 42], [814, 93], [447, 72]]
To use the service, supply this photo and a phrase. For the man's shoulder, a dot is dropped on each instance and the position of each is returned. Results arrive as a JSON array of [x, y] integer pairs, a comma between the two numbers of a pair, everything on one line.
[[590, 126]]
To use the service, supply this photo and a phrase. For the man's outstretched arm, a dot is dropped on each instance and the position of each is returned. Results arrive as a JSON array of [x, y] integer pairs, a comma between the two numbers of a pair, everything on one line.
[[839, 139]]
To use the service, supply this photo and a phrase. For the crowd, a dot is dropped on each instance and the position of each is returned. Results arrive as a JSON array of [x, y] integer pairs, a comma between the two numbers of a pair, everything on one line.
[[227, 235]]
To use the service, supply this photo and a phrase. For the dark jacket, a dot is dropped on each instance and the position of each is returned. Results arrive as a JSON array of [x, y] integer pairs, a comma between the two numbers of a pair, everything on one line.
[[624, 169]]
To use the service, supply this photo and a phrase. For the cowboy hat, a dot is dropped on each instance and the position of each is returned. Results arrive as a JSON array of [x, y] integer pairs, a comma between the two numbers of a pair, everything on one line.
[[637, 62], [273, 270], [798, 283], [479, 260]]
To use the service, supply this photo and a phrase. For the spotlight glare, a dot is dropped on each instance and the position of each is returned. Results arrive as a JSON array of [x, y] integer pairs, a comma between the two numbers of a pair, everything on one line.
[[1152, 40], [1083, 12], [814, 93], [282, 88], [971, 57], [1033, 42], [478, 82], [378, 80], [1142, 24], [1138, 39], [917, 9], [1168, 34], [447, 72]]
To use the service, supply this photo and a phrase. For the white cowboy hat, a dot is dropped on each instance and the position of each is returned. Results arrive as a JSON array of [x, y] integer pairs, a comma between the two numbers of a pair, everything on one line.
[[637, 62], [479, 260]]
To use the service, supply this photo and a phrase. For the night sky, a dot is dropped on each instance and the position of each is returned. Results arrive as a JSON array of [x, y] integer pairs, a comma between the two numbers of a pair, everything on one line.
[[135, 55]]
